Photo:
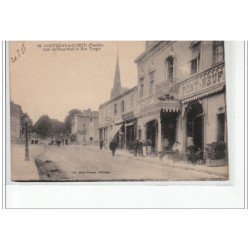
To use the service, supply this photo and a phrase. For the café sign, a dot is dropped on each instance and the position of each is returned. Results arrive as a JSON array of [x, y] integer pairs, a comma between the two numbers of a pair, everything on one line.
[[148, 101], [207, 80], [128, 116]]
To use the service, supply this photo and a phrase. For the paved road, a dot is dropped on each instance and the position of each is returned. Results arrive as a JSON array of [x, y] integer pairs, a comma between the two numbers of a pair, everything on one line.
[[78, 163]]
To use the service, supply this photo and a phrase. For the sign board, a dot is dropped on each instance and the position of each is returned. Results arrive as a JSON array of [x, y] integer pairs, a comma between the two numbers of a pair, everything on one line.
[[128, 116], [202, 82]]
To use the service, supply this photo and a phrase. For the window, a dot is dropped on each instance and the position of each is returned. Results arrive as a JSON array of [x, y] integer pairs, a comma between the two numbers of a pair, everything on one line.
[[170, 68], [131, 101], [218, 51], [195, 61], [141, 87], [122, 107], [151, 82], [115, 109]]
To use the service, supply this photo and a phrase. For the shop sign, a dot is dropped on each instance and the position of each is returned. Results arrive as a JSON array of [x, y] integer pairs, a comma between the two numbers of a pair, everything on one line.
[[202, 82], [128, 116], [151, 100]]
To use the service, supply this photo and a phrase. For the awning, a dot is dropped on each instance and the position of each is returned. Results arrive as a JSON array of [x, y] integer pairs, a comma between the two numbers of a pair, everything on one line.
[[114, 131], [130, 124]]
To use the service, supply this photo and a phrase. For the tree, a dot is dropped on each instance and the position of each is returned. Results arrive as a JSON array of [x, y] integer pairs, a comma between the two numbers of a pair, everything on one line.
[[43, 126], [25, 119], [68, 118]]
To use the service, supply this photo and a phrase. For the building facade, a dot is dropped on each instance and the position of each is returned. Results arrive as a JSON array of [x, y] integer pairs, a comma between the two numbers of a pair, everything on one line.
[[84, 127], [15, 122], [117, 117], [181, 94]]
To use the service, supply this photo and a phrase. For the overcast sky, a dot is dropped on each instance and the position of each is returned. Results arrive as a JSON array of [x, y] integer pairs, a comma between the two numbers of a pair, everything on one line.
[[53, 82]]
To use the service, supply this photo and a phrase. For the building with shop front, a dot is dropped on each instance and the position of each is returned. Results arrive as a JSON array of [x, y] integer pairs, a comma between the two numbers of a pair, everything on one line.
[[15, 122], [84, 127], [181, 94], [117, 116]]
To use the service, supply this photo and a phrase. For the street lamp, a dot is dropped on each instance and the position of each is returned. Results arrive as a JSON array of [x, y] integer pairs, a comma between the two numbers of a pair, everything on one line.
[[26, 122]]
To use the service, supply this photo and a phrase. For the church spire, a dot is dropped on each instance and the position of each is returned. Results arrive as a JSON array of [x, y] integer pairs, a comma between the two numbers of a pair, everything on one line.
[[117, 88]]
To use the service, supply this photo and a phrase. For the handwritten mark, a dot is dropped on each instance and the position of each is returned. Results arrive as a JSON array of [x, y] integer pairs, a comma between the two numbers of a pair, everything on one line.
[[18, 53]]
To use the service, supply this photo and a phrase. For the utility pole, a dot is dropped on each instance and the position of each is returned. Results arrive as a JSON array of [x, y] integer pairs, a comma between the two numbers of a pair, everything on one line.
[[27, 158]]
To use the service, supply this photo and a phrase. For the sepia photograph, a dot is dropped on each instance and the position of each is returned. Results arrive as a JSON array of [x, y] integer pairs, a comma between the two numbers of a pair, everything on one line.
[[118, 111]]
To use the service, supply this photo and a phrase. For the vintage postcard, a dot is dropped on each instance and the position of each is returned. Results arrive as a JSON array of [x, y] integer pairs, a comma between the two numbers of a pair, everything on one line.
[[118, 111]]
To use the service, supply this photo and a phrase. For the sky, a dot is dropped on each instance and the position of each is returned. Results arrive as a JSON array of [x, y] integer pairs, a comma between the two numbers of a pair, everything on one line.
[[54, 77]]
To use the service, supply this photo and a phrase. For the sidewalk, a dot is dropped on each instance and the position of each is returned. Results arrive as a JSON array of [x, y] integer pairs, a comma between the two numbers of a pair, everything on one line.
[[220, 171], [22, 170]]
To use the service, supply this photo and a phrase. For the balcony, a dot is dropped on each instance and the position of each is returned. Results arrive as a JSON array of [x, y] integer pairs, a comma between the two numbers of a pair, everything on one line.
[[167, 89]]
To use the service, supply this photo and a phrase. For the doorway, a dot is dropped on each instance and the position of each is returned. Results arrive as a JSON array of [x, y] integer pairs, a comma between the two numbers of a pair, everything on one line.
[[151, 133], [195, 123]]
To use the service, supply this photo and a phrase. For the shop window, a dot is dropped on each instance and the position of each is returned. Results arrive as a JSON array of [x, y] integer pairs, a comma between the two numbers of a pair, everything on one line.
[[218, 51], [122, 107], [170, 68], [151, 82], [221, 127], [195, 61], [141, 87]]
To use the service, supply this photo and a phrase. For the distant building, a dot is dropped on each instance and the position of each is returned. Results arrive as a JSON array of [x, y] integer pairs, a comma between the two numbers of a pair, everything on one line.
[[117, 117], [15, 122], [85, 126]]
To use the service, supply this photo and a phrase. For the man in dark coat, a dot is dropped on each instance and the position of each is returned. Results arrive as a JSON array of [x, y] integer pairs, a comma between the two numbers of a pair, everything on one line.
[[112, 147], [140, 145], [101, 144], [135, 147]]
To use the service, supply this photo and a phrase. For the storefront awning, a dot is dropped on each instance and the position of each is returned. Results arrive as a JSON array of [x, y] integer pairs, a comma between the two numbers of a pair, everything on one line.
[[114, 131], [130, 124]]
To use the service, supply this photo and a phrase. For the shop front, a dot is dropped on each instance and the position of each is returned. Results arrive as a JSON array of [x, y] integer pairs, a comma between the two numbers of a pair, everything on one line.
[[129, 121], [158, 124], [203, 101]]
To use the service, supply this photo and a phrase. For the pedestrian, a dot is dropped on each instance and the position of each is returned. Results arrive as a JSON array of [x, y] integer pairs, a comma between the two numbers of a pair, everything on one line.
[[135, 147], [101, 144], [140, 145], [112, 147], [66, 141]]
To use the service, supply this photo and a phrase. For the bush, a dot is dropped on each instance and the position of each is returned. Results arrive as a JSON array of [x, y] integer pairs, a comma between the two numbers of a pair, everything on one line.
[[216, 150]]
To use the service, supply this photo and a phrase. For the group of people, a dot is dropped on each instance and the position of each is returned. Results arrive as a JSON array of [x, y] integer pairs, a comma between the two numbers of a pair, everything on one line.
[[34, 141], [58, 142], [137, 147]]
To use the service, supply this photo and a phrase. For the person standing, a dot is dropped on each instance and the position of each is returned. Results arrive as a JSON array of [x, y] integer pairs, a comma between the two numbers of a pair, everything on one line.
[[112, 147], [101, 144], [135, 146], [140, 144]]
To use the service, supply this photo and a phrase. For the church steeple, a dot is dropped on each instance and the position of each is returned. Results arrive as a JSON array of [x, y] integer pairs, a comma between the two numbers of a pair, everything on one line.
[[117, 88]]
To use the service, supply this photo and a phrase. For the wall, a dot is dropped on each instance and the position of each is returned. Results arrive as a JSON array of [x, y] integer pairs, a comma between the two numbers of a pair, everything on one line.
[[213, 104]]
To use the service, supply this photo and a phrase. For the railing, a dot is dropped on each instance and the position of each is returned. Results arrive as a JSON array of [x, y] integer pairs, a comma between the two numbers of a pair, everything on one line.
[[166, 87]]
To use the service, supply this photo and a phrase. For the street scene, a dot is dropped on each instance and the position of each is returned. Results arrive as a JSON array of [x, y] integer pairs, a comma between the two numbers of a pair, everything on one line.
[[118, 111]]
